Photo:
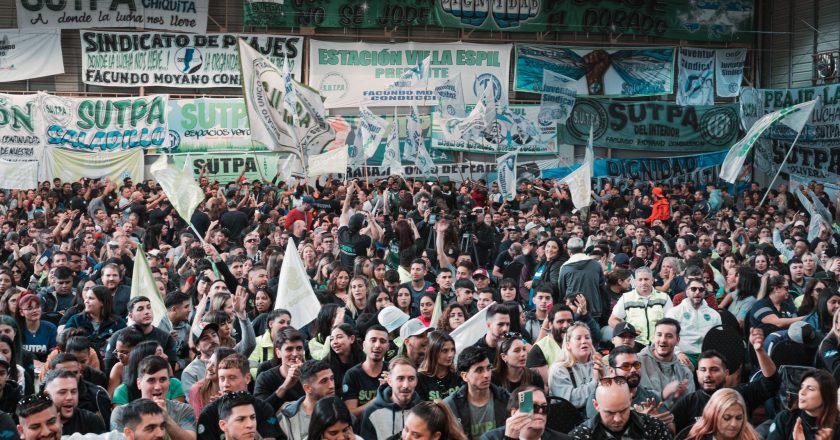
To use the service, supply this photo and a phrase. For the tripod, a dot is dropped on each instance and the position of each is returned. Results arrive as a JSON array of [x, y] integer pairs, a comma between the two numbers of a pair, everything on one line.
[[466, 245]]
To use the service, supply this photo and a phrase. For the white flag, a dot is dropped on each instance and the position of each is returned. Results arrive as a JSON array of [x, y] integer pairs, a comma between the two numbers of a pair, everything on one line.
[[294, 292], [331, 162], [469, 332], [558, 98], [794, 117], [580, 180], [355, 151], [290, 98], [415, 77], [188, 165], [413, 134], [372, 129], [506, 173], [180, 187], [482, 118], [392, 157], [450, 95], [291, 168], [729, 71], [424, 160], [143, 284]]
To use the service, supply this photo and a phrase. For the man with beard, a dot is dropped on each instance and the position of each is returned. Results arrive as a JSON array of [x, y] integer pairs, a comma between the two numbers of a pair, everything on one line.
[[205, 337], [624, 362], [112, 278], [550, 340], [238, 417], [711, 375], [615, 419], [140, 312], [318, 382], [144, 420], [63, 388], [386, 416], [362, 381], [498, 323], [38, 418], [661, 370], [695, 317]]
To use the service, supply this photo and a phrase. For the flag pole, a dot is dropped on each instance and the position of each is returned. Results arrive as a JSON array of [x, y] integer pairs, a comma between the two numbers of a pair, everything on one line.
[[781, 165]]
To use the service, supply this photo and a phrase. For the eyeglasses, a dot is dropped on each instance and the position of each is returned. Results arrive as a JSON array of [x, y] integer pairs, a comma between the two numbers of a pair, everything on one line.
[[627, 367], [251, 240], [609, 380], [512, 335]]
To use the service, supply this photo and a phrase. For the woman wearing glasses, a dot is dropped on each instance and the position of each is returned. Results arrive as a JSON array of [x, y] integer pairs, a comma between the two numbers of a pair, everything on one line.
[[575, 375], [724, 418], [510, 371]]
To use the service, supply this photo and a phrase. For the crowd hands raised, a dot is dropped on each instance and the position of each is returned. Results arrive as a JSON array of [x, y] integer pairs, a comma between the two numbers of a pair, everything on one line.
[[659, 312]]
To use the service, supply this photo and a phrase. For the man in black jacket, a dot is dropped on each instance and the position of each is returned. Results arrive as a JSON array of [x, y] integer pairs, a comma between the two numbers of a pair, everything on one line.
[[616, 418], [526, 425], [140, 311], [479, 405], [712, 371]]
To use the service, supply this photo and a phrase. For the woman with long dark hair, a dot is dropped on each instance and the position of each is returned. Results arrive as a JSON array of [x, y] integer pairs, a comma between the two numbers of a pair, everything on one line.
[[510, 371], [331, 420], [814, 413], [337, 291], [452, 317], [547, 268], [345, 351], [328, 317], [404, 244], [432, 420], [98, 318], [740, 301], [436, 377]]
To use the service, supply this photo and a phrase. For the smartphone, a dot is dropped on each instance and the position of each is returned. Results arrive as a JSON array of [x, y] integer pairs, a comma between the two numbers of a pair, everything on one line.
[[432, 219], [526, 402]]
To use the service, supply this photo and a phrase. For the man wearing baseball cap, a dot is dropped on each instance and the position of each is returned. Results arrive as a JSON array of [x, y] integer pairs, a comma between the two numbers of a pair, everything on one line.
[[414, 335], [205, 339], [302, 212]]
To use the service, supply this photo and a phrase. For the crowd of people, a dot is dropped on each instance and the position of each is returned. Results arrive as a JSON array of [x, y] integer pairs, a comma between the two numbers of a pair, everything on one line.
[[658, 312]]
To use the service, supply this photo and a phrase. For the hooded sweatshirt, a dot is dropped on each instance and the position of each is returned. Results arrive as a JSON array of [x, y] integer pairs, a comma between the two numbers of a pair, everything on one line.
[[656, 373], [582, 274], [384, 418]]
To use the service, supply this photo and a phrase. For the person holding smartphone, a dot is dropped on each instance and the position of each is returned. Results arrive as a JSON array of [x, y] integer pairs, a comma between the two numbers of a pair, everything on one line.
[[528, 409]]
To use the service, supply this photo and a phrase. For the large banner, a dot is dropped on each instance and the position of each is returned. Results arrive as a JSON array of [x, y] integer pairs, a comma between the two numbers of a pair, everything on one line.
[[806, 161], [695, 84], [19, 175], [173, 15], [609, 72], [27, 54], [21, 128], [822, 129], [227, 167], [674, 19], [350, 74], [70, 165], [123, 59], [208, 124], [505, 137], [651, 126], [105, 124]]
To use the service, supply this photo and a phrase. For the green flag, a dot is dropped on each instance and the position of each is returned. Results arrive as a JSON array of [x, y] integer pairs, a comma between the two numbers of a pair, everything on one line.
[[143, 284]]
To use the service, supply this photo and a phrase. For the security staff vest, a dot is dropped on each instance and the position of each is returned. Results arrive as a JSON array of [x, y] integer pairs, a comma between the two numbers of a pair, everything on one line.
[[644, 312]]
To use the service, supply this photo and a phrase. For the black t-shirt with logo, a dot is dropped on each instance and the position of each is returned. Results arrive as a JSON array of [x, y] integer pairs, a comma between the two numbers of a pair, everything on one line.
[[351, 245], [358, 385]]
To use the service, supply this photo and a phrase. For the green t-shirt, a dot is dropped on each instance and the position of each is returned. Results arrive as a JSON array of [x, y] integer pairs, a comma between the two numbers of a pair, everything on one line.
[[175, 391]]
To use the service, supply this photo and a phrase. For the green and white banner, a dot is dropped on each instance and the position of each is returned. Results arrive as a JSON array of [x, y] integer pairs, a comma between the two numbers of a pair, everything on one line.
[[30, 54], [695, 83], [105, 124], [172, 15], [822, 128], [133, 59], [208, 124], [226, 167], [608, 72], [729, 71], [651, 126], [21, 128], [71, 165], [674, 19], [508, 133], [351, 74]]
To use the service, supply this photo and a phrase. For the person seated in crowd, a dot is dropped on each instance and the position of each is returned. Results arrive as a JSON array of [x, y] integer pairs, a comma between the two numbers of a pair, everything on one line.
[[63, 388], [318, 382], [478, 405]]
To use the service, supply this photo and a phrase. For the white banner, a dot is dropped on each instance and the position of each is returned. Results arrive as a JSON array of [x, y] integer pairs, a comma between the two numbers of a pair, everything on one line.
[[331, 162], [18, 175], [30, 54], [21, 128], [729, 71], [133, 59], [508, 134], [557, 98], [105, 123], [350, 74], [70, 166], [694, 83], [173, 15], [507, 175]]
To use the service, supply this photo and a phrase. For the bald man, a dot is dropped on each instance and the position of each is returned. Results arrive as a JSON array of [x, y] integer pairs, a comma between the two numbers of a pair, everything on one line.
[[616, 418]]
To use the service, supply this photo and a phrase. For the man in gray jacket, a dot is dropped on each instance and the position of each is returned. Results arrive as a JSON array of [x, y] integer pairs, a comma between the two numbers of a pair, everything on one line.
[[581, 274], [318, 382], [661, 369], [385, 417]]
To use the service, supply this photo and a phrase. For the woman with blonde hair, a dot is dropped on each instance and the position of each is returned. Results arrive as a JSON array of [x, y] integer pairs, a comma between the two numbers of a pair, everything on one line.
[[579, 368], [724, 418]]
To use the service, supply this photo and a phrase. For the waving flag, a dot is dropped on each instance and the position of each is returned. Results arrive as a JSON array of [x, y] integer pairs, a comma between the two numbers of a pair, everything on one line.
[[392, 157], [294, 292], [143, 284], [794, 117], [372, 129], [413, 134], [506, 172], [415, 77], [450, 95], [469, 332], [180, 187], [580, 180]]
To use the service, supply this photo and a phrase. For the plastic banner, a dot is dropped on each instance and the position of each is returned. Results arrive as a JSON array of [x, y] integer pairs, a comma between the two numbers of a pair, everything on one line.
[[70, 166], [651, 126], [227, 167], [609, 72], [729, 71], [695, 84], [557, 99], [351, 74], [105, 124], [208, 124], [173, 15], [806, 161], [30, 54], [673, 19], [123, 59], [508, 134], [21, 128]]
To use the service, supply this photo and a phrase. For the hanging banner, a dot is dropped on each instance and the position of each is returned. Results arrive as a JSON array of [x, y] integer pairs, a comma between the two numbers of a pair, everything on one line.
[[450, 95], [227, 167], [180, 15], [609, 72], [105, 124], [30, 54], [351, 74], [695, 84], [208, 124], [751, 103], [133, 59], [673, 19], [18, 175], [651, 126], [70, 165], [507, 175], [822, 128], [806, 161], [507, 134], [729, 71], [458, 172], [557, 99], [21, 128]]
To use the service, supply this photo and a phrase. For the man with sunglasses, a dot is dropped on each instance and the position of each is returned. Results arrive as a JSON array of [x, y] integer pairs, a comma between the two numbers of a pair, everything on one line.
[[624, 362], [616, 419], [696, 318], [526, 425]]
